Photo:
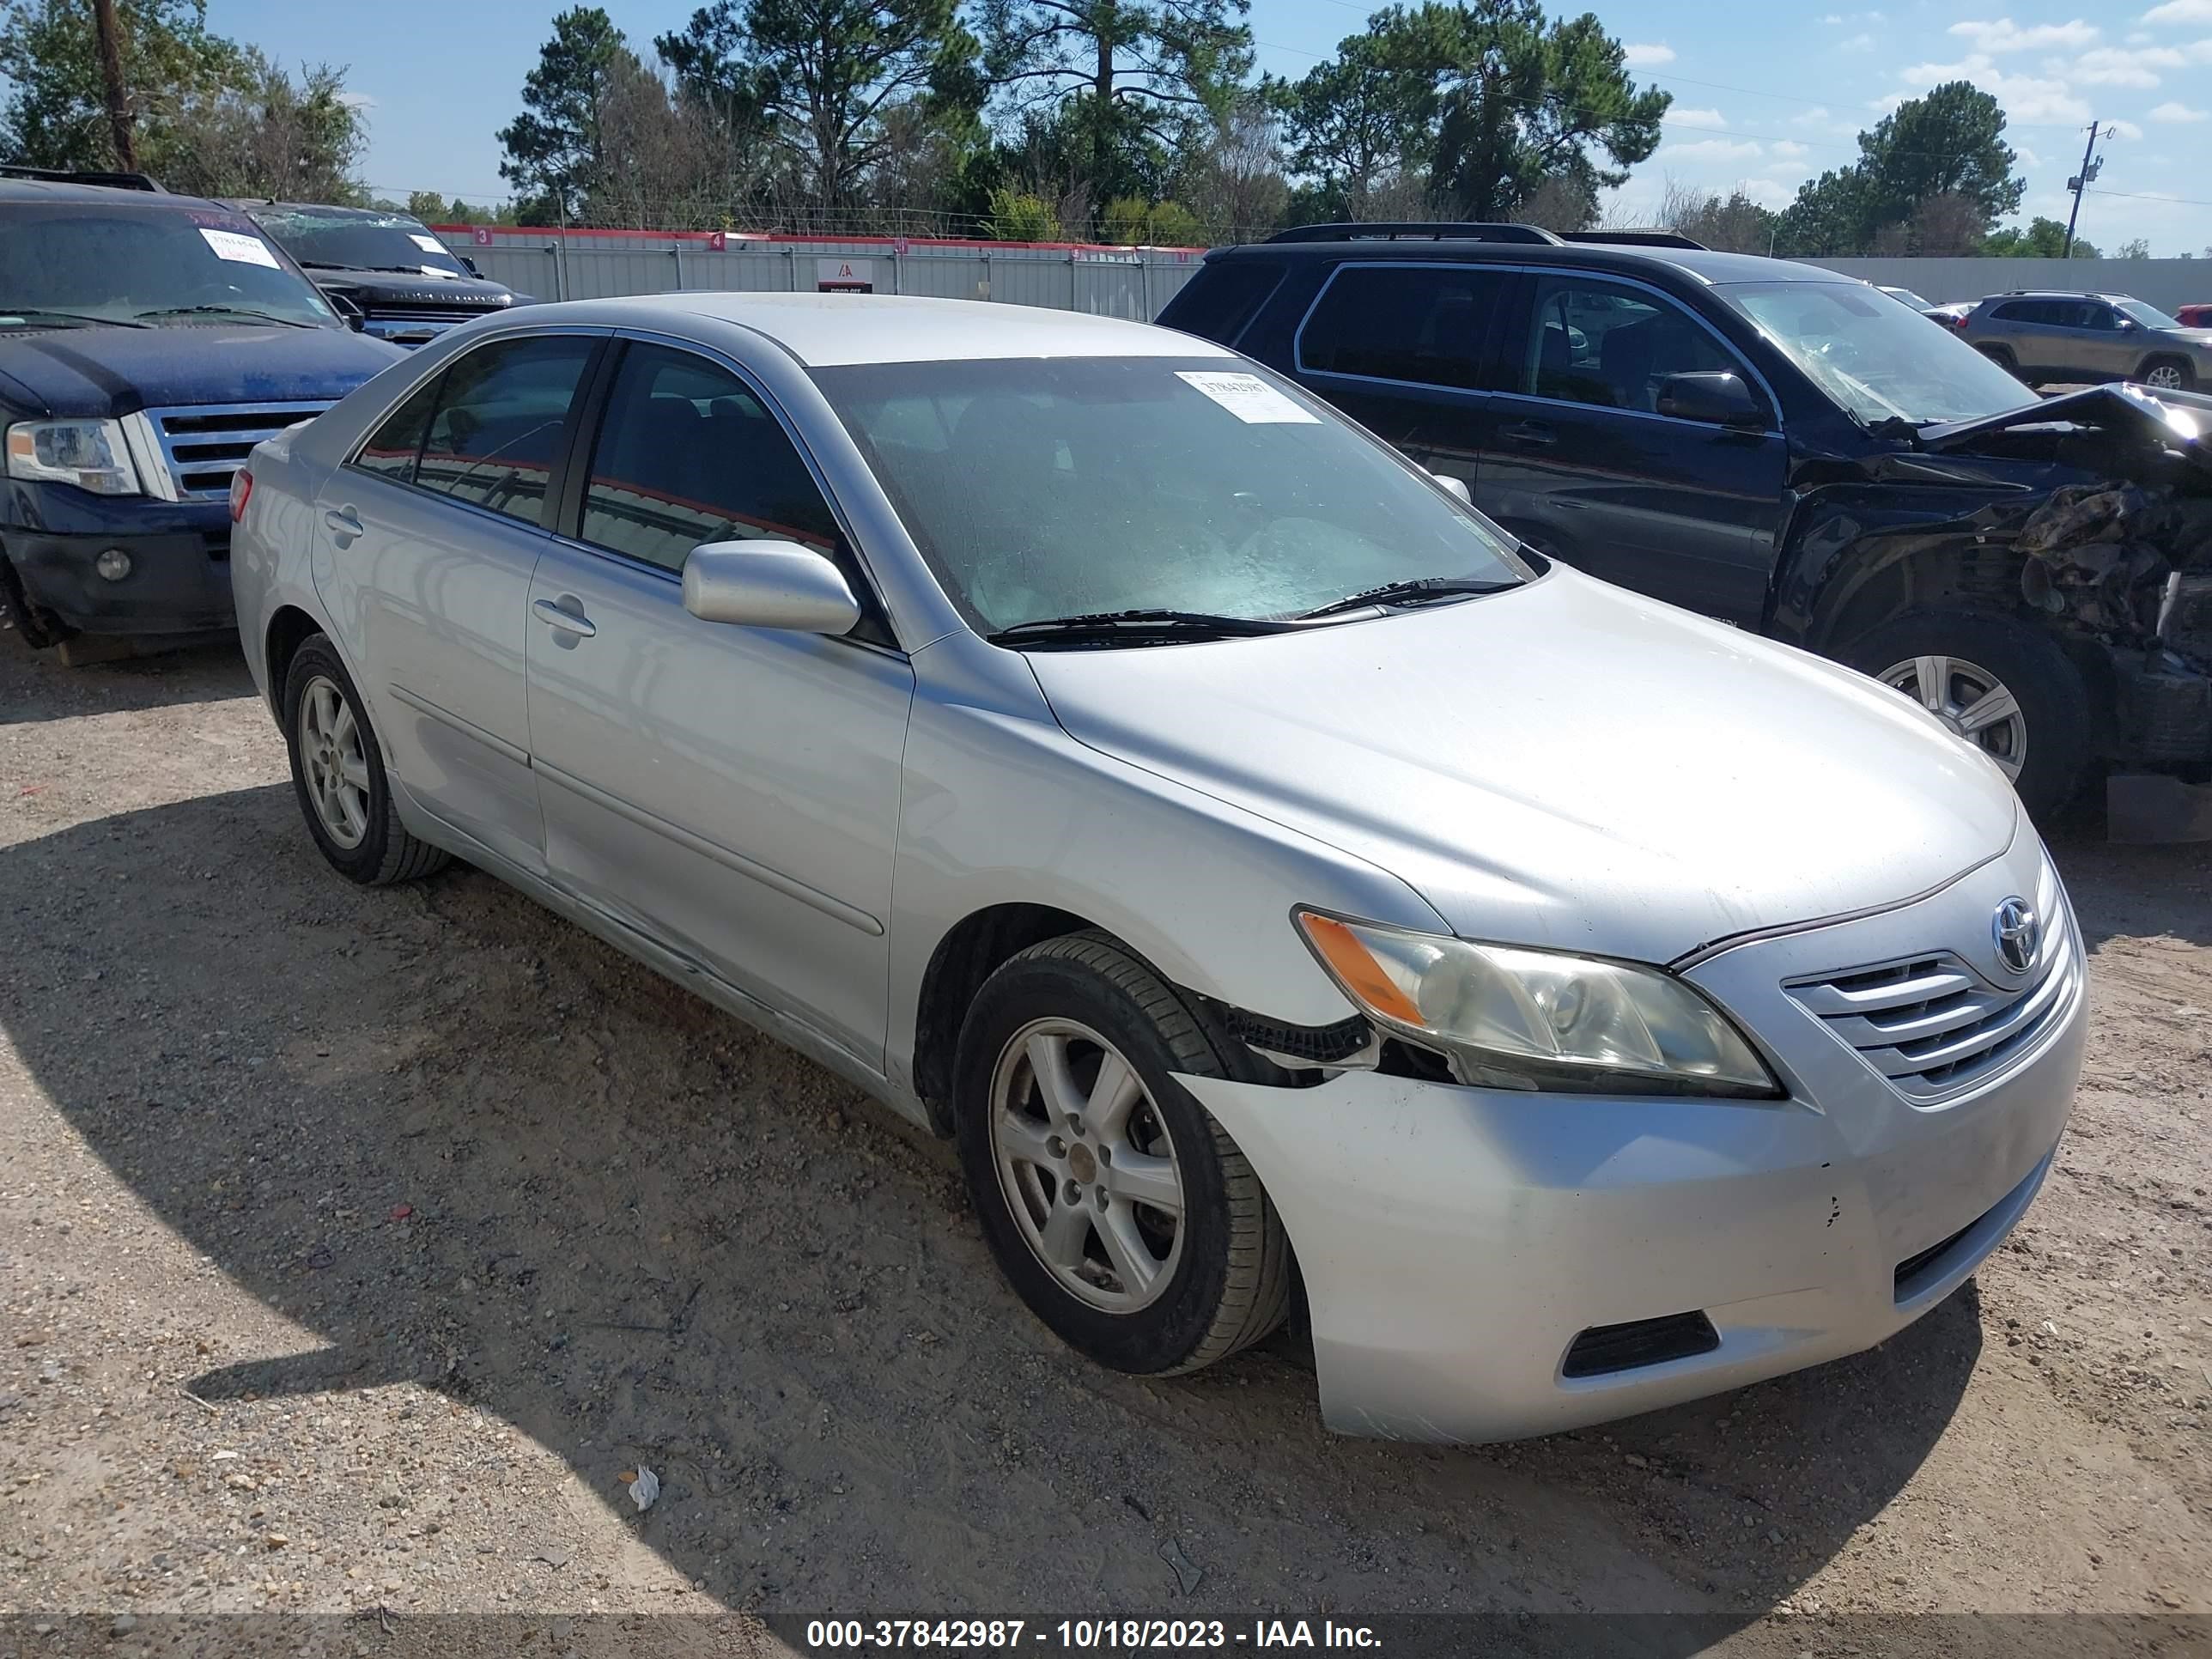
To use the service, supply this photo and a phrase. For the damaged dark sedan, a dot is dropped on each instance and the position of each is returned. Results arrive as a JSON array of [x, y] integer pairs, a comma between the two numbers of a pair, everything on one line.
[[1795, 451]]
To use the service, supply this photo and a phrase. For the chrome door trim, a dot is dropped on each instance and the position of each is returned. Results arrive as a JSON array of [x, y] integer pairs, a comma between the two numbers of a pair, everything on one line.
[[445, 717], [789, 886]]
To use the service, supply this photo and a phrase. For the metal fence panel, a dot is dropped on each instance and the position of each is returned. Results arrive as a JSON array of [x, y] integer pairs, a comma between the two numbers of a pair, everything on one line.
[[2165, 283], [1105, 281]]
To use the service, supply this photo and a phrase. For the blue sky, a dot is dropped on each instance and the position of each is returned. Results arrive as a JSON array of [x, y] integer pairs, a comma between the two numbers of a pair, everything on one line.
[[1764, 96]]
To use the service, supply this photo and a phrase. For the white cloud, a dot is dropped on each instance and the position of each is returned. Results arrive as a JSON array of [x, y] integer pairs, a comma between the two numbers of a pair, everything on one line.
[[1857, 43], [2027, 98], [1695, 117], [1713, 149], [2028, 158], [356, 101], [1768, 192], [2002, 34], [2180, 11], [1832, 18], [2139, 36], [2126, 130], [1647, 55], [1816, 117], [2118, 66], [1787, 148], [2172, 110]]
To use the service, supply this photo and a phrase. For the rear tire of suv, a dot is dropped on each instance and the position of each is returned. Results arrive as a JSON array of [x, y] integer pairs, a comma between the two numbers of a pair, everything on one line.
[[338, 772], [1951, 661], [2002, 356], [1071, 1124], [2168, 374]]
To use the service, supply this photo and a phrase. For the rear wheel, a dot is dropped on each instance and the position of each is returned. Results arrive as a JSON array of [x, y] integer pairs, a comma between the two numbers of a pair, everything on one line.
[[338, 772], [2168, 374], [1118, 1209], [2002, 356], [2005, 686]]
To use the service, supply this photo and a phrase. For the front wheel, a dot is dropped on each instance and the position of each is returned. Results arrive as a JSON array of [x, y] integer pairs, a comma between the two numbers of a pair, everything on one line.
[[37, 627], [1118, 1209], [2003, 686], [2168, 374]]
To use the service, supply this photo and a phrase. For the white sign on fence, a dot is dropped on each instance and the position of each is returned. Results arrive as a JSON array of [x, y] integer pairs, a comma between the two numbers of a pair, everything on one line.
[[845, 276]]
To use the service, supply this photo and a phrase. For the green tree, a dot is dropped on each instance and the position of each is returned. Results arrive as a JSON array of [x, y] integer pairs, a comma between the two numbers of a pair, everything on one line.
[[1018, 217], [2043, 239], [263, 133], [1489, 102], [2138, 248], [555, 148], [56, 111], [1129, 73], [1948, 145]]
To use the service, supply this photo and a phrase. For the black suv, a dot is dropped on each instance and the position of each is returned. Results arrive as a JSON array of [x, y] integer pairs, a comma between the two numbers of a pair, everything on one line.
[[148, 342], [1783, 447], [389, 269]]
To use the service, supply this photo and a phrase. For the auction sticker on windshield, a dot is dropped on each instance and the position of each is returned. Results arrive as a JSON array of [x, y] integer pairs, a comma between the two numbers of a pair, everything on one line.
[[1249, 397], [428, 244], [239, 249]]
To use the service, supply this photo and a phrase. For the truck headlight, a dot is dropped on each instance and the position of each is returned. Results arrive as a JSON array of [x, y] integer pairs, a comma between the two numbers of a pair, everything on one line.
[[1538, 1019], [90, 454]]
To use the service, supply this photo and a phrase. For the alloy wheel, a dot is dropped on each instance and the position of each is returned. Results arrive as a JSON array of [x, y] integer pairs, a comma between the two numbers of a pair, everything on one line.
[[335, 764], [2166, 377], [1086, 1164], [1972, 701]]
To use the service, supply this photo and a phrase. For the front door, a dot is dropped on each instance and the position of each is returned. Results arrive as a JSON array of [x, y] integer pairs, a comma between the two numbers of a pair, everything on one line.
[[1580, 462], [732, 792], [429, 538]]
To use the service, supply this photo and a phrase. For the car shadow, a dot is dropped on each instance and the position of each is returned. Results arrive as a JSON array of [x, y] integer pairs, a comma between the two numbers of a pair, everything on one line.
[[36, 685], [2137, 892], [469, 1147]]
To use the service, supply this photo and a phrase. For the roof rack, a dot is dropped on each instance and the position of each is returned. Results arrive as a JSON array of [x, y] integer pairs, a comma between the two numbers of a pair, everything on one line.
[[1636, 237], [65, 176], [1411, 230]]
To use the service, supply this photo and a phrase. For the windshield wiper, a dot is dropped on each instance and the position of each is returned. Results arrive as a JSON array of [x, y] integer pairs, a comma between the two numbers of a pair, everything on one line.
[[228, 310], [1111, 625], [1419, 591], [27, 312]]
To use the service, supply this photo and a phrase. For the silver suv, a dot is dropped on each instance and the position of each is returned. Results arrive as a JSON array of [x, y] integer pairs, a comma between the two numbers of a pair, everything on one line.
[[2089, 337]]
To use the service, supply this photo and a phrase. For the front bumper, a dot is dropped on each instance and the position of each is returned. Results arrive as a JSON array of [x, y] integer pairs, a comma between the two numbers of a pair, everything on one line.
[[180, 580], [1456, 1241]]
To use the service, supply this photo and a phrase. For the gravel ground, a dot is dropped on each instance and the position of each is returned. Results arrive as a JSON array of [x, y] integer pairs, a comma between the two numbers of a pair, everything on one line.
[[355, 1248]]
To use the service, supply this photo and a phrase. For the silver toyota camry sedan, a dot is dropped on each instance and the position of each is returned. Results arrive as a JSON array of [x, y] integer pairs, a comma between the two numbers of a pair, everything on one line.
[[1271, 875]]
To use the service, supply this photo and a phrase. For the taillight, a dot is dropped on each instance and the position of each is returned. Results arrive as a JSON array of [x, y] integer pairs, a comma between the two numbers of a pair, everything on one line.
[[241, 491]]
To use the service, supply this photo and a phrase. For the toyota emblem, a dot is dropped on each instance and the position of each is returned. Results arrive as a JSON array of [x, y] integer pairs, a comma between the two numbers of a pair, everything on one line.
[[2019, 933]]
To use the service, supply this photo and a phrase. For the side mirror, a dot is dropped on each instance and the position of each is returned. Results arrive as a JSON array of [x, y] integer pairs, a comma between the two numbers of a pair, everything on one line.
[[469, 266], [2129, 325], [347, 309], [1711, 395], [767, 584], [1454, 487]]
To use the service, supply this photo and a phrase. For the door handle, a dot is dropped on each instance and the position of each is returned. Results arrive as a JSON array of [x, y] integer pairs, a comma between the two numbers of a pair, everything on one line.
[[342, 521], [569, 621], [1534, 433]]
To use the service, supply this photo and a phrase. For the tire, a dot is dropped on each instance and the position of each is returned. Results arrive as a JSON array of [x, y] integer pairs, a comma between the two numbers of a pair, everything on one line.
[[2002, 357], [1224, 1279], [365, 841], [2168, 374], [39, 627], [2053, 726]]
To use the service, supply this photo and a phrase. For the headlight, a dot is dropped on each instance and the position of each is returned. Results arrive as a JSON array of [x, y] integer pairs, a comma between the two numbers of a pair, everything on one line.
[[1538, 1019], [90, 454]]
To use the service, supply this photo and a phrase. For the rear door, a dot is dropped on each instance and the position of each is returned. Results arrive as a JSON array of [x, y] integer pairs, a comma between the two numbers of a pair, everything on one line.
[[1399, 347], [429, 535], [1581, 463]]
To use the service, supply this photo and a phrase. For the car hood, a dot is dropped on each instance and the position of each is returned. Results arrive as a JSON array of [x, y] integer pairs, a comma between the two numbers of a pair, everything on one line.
[[114, 370], [398, 288], [2178, 420], [1568, 766]]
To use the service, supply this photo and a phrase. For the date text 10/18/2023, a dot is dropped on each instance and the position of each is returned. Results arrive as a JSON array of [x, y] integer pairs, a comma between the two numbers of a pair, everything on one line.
[[1080, 1635]]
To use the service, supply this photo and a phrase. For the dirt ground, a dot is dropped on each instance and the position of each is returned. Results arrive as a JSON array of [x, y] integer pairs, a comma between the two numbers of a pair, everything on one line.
[[356, 1247]]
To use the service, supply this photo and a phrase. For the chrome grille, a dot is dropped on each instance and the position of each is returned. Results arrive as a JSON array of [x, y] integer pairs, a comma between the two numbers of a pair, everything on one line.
[[203, 445], [1933, 1025]]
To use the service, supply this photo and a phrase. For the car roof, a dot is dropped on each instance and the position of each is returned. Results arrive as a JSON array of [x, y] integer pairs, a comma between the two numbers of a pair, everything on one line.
[[54, 189], [1701, 265], [824, 331]]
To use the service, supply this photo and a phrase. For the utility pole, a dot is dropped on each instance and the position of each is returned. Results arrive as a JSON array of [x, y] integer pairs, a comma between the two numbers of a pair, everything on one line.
[[2081, 181], [110, 72]]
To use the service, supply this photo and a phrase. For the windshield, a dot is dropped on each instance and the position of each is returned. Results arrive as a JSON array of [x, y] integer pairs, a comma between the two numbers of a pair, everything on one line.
[[1071, 487], [391, 241], [1879, 359], [2148, 316], [145, 265]]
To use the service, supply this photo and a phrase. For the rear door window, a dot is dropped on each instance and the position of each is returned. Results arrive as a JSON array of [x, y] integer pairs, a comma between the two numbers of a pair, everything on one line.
[[1425, 324], [501, 412], [391, 451], [1222, 298]]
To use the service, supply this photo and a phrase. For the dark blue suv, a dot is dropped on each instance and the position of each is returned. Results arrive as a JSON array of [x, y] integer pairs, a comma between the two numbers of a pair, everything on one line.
[[148, 342]]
